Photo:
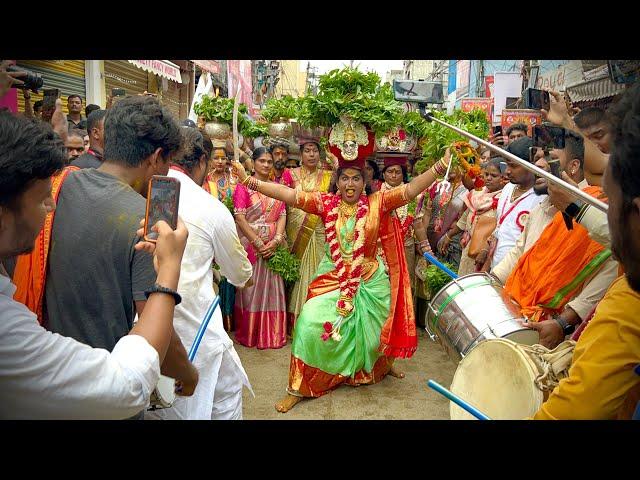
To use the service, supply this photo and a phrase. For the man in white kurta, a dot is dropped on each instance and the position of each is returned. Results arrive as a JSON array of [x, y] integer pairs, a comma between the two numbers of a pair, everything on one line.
[[212, 238]]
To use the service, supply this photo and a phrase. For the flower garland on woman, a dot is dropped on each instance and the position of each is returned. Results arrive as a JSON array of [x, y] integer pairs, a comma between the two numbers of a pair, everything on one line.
[[357, 318]]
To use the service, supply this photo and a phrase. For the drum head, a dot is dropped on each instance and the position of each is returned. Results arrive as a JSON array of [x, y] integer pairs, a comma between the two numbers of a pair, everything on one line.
[[165, 390], [526, 336], [498, 380]]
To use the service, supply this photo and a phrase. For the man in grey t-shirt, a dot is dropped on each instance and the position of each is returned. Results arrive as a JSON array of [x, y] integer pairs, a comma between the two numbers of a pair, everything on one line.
[[96, 280], [94, 271]]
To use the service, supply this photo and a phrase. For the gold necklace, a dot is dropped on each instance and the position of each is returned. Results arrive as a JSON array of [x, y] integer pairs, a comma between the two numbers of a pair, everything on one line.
[[515, 190], [346, 210]]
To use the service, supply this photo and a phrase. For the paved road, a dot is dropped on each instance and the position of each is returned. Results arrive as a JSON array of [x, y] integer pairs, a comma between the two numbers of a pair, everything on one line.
[[391, 399]]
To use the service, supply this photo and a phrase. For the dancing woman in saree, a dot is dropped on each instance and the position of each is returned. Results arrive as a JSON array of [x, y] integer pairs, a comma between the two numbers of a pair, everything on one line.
[[357, 318]]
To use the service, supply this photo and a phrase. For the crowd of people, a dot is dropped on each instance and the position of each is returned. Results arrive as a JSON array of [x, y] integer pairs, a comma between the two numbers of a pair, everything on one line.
[[93, 315]]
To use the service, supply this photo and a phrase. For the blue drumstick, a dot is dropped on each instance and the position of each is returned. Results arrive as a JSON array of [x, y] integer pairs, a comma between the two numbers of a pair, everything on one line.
[[203, 328], [457, 400], [433, 260]]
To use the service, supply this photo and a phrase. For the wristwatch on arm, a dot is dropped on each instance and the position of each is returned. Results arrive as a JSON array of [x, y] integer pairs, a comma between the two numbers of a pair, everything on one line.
[[567, 328], [574, 208]]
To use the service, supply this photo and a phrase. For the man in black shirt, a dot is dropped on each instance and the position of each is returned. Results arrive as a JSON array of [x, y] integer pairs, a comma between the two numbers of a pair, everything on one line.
[[74, 105]]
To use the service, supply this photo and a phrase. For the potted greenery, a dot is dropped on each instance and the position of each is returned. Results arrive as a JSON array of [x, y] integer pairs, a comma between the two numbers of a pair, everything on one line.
[[217, 113]]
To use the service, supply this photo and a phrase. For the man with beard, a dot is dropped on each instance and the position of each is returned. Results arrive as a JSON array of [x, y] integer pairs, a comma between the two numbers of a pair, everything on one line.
[[75, 119], [280, 153], [557, 275], [75, 144], [601, 382]]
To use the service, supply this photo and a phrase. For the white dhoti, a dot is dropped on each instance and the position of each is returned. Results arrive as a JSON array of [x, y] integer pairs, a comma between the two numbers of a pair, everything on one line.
[[218, 395]]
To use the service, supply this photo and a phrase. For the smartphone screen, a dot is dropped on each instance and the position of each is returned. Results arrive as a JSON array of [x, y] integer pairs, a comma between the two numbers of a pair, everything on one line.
[[50, 95], [537, 99], [497, 130], [548, 137], [162, 204]]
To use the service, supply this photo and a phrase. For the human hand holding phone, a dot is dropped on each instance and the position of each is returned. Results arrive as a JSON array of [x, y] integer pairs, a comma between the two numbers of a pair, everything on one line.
[[167, 250], [163, 197], [59, 121], [557, 112]]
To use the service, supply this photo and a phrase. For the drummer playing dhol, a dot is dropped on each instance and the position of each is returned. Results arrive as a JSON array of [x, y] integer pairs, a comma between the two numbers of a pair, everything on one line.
[[602, 383]]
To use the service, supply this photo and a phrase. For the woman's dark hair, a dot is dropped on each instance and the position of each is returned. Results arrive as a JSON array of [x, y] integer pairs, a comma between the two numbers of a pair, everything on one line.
[[376, 169], [258, 152], [496, 162], [405, 173], [29, 151], [333, 188], [193, 147], [135, 127]]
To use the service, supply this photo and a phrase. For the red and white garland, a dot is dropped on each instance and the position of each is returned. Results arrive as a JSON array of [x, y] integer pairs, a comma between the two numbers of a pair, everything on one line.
[[349, 280]]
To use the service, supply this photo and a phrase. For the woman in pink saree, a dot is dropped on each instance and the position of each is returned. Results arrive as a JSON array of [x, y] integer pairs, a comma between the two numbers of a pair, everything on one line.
[[260, 310]]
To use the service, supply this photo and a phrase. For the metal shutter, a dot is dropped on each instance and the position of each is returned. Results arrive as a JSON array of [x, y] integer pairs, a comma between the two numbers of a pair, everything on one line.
[[170, 97], [122, 74], [66, 75]]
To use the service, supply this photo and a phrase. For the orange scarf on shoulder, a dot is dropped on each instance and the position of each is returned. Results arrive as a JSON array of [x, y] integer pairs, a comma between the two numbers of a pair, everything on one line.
[[556, 267], [31, 268]]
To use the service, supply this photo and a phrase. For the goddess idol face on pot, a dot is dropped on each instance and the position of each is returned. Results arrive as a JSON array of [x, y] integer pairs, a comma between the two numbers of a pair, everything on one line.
[[350, 146]]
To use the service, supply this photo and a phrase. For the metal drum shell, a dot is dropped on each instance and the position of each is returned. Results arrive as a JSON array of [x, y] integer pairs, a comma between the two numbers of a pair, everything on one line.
[[471, 309]]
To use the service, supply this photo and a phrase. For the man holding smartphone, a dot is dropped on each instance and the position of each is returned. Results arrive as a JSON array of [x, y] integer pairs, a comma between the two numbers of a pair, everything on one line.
[[94, 269], [48, 376]]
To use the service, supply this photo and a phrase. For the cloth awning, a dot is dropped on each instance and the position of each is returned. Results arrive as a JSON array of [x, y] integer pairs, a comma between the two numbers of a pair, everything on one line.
[[594, 90], [211, 66], [164, 68]]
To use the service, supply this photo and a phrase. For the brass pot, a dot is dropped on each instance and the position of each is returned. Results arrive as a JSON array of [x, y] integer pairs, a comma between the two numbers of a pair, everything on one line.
[[280, 129], [218, 131]]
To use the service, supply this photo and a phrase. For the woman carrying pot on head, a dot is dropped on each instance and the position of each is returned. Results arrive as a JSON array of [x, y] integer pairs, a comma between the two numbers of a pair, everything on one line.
[[356, 318], [221, 184], [305, 231], [260, 310]]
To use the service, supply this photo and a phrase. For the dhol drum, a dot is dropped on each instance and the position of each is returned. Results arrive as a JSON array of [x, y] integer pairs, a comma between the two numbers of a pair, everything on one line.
[[471, 309], [508, 381], [164, 394]]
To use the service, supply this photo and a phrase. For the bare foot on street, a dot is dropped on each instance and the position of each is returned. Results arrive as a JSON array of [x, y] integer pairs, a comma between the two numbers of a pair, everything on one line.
[[287, 403], [394, 372]]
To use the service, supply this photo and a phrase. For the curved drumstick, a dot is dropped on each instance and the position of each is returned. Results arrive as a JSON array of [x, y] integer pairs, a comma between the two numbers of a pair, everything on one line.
[[430, 258], [203, 328], [457, 400]]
